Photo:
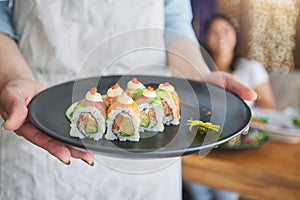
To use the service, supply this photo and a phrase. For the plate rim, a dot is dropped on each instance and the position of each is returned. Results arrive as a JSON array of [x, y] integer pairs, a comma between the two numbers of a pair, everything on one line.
[[171, 152], [245, 147]]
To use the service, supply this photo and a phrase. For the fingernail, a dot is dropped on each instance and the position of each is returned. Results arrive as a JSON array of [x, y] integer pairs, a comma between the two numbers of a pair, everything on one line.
[[258, 97], [66, 163], [90, 164], [2, 126]]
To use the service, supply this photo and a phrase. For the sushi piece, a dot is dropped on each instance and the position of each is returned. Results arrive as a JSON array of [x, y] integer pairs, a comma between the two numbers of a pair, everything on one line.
[[123, 119], [112, 94], [88, 116], [170, 102], [151, 110], [135, 87]]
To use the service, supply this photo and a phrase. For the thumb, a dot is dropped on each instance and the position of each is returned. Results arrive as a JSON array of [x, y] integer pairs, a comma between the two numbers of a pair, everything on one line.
[[241, 90], [17, 113], [14, 98]]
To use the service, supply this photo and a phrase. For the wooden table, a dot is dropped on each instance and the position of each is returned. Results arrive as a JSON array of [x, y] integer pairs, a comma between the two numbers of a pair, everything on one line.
[[269, 172]]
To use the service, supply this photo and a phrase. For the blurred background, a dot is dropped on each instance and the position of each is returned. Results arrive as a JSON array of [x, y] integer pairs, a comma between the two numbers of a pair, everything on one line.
[[269, 32]]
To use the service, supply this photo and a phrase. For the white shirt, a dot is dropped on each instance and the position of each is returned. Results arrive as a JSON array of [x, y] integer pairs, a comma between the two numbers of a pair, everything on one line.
[[251, 73]]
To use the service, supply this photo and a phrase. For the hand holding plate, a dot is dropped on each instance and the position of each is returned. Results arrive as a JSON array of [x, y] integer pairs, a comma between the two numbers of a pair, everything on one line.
[[232, 84], [14, 98]]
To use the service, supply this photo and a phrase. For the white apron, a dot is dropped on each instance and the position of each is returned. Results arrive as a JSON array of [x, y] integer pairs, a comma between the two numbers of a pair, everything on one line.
[[57, 39]]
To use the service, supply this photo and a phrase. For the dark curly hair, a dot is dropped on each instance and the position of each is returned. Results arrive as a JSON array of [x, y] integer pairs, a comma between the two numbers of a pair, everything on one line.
[[234, 26]]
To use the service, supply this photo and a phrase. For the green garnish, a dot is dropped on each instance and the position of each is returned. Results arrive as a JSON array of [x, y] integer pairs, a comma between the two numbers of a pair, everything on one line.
[[203, 127], [70, 110], [262, 120], [296, 122], [162, 93], [137, 93], [156, 100], [256, 138], [107, 103]]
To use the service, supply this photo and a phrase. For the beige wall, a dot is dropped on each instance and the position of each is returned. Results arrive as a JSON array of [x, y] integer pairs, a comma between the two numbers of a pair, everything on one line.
[[239, 10], [297, 49]]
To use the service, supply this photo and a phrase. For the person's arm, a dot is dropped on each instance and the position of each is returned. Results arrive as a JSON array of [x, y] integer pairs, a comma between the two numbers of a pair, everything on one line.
[[266, 98], [12, 63], [17, 87], [262, 86], [258, 78], [183, 52]]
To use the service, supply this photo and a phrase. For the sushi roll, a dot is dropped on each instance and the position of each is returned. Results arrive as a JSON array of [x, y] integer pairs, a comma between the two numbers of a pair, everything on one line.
[[123, 119], [112, 94], [170, 102], [88, 116], [151, 110], [135, 87]]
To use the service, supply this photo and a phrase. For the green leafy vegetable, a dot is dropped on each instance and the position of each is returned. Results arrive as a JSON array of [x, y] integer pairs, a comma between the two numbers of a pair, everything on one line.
[[256, 137], [261, 120], [296, 122]]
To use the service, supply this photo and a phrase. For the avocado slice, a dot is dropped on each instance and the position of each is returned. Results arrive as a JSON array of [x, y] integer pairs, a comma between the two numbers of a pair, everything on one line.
[[126, 127], [91, 126], [70, 110], [87, 124], [144, 119]]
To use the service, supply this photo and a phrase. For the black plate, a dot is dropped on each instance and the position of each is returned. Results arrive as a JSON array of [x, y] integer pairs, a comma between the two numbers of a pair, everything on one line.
[[254, 139], [47, 113]]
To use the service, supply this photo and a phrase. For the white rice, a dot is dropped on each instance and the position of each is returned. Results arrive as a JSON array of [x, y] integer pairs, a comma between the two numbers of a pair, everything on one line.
[[110, 135], [74, 132], [157, 124]]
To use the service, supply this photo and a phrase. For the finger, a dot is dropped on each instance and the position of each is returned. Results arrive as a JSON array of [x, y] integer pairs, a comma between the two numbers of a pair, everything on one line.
[[13, 109], [4, 114], [54, 147], [15, 116], [241, 90], [85, 156], [15, 96], [232, 84]]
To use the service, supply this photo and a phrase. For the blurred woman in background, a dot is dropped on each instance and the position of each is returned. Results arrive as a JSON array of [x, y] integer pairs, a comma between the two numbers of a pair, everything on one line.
[[221, 43]]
